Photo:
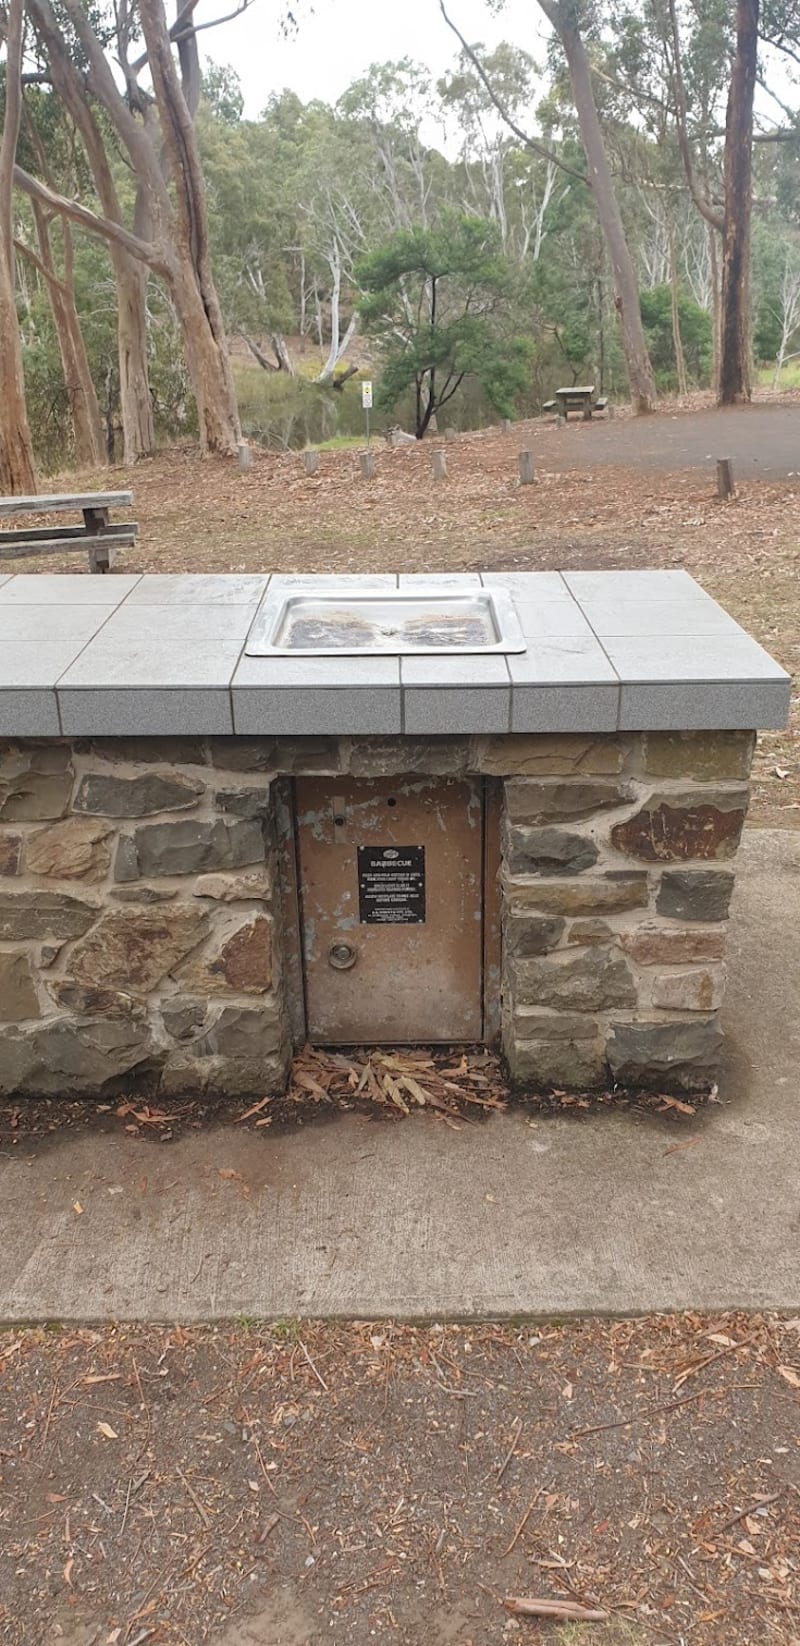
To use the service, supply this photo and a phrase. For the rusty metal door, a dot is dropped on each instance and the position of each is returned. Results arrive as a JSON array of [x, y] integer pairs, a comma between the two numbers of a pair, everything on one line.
[[390, 875]]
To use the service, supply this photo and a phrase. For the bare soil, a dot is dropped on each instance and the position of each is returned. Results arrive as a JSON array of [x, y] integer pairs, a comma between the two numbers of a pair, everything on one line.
[[301, 1483], [602, 499]]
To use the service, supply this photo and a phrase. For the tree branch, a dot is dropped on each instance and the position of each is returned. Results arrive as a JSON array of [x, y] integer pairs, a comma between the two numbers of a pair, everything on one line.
[[143, 250], [704, 206], [47, 274], [530, 142]]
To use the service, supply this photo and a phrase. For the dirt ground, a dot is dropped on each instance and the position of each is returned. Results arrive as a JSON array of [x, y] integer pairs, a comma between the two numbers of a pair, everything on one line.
[[590, 507], [304, 1483], [301, 1483]]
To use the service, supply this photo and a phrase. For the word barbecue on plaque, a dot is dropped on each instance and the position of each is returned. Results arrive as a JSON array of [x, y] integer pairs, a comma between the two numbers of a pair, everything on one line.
[[391, 885]]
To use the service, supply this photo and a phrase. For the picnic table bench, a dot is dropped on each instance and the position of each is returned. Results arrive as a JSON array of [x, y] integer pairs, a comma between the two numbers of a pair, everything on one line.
[[580, 397], [97, 536]]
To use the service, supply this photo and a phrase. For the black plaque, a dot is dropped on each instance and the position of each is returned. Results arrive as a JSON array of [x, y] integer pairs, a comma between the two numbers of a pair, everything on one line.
[[391, 885]]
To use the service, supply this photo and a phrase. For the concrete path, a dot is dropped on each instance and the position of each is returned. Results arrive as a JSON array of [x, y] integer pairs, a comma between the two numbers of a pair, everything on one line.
[[617, 1212], [762, 440]]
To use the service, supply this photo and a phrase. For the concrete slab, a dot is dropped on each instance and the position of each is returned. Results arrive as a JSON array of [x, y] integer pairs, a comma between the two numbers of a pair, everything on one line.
[[521, 1215]]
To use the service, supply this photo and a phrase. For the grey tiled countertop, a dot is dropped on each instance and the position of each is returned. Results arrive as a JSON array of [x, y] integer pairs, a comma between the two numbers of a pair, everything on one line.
[[86, 655]]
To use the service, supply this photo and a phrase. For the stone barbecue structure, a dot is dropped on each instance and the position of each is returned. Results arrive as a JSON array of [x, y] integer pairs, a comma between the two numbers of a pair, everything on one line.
[[206, 856]]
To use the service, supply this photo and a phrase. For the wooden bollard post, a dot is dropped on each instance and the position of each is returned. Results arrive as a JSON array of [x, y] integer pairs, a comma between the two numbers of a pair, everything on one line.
[[725, 483], [311, 462], [245, 455], [527, 473], [367, 461], [451, 434], [439, 462], [507, 425]]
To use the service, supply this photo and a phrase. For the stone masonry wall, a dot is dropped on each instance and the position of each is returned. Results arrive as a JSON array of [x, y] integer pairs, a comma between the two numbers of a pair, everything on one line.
[[617, 883], [141, 930]]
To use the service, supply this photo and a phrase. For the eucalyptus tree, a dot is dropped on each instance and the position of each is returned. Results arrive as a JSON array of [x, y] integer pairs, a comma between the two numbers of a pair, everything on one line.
[[155, 130], [17, 470], [566, 18]]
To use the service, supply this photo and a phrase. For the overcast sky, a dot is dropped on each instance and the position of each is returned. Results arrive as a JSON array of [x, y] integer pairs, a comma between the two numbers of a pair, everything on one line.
[[337, 41]]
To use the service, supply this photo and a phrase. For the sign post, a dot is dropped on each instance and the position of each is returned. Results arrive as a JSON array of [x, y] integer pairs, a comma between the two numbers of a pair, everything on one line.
[[366, 403]]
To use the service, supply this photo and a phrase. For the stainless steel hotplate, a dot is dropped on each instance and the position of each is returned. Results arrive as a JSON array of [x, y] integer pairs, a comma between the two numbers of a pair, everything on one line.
[[393, 623]]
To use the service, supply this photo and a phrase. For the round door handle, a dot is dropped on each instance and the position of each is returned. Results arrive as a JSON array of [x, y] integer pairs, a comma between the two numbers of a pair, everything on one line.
[[342, 956]]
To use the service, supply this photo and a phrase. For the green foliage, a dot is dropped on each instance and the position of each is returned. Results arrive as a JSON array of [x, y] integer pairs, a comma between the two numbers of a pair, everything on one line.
[[696, 336], [439, 302]]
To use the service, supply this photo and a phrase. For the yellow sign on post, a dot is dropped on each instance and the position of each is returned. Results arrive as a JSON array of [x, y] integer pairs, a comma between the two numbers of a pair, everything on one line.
[[366, 403]]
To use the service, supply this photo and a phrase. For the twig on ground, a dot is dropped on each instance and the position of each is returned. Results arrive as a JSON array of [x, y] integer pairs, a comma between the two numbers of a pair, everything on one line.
[[567, 1611], [760, 1503], [204, 1516], [522, 1524], [318, 1375], [511, 1450]]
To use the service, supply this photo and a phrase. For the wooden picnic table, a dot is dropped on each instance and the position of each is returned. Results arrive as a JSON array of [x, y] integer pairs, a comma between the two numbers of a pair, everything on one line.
[[98, 536], [579, 398]]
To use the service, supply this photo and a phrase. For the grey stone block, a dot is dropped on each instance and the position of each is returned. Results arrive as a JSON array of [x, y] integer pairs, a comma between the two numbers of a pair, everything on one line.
[[548, 851], [194, 847], [311, 711], [451, 710], [246, 803], [103, 795], [199, 588], [60, 1056], [560, 1065], [564, 708], [682, 1054], [585, 981], [134, 711], [703, 706], [695, 894], [526, 935], [43, 916], [28, 713], [67, 589], [50, 624]]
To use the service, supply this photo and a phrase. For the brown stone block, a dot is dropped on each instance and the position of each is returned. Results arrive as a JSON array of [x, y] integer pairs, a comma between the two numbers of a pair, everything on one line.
[[136, 948], [147, 751], [587, 933], [583, 896], [18, 998], [551, 755], [697, 990], [10, 849], [252, 886], [697, 825], [553, 802], [704, 756], [242, 964], [77, 849], [531, 1024], [664, 946], [390, 756], [275, 754], [86, 1000]]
